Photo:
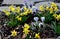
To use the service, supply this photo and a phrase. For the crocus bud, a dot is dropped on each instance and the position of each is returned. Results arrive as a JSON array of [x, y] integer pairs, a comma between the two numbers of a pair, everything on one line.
[[42, 19], [36, 19]]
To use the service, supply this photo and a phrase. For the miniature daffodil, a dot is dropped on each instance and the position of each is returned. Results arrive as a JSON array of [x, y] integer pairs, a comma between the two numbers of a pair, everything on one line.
[[21, 14], [51, 10], [26, 31], [20, 18], [25, 13], [37, 36], [58, 17], [53, 4], [54, 15], [14, 33], [55, 8], [30, 11], [17, 9], [25, 9], [47, 8], [27, 26], [17, 17], [41, 8], [6, 12], [12, 8]]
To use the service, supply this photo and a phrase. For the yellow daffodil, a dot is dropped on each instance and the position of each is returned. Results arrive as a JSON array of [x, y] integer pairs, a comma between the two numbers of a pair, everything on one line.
[[12, 8], [55, 8], [47, 8], [17, 9], [6, 12], [21, 14], [25, 13], [26, 26], [25, 8], [30, 11], [54, 15], [53, 4], [41, 8], [51, 10], [37, 36], [17, 17], [58, 17], [20, 18], [26, 31], [14, 33]]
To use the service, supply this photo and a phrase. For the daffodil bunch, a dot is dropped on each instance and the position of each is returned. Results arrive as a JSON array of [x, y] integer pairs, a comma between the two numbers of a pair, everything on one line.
[[27, 29], [48, 12], [17, 15], [52, 15], [52, 8]]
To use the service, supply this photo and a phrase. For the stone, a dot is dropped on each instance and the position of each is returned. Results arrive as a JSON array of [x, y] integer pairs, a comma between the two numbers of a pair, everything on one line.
[[42, 3], [4, 8], [58, 37], [13, 2], [0, 36]]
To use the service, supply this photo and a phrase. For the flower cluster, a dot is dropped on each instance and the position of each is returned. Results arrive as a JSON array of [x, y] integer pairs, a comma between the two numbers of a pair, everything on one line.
[[53, 8], [17, 15], [35, 21]]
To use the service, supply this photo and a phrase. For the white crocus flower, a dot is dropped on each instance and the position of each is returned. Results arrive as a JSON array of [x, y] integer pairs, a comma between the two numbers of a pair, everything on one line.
[[42, 19], [4, 24], [40, 24], [36, 19]]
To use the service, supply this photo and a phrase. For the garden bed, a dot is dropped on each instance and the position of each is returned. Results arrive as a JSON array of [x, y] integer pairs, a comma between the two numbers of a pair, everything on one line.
[[30, 23]]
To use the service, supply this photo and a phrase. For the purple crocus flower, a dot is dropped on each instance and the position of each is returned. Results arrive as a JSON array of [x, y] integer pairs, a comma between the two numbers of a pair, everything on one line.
[[25, 1], [31, 5]]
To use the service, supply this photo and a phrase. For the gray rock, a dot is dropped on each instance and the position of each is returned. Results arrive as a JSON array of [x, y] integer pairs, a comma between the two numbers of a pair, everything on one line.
[[42, 3], [45, 3], [13, 2], [58, 37], [4, 7]]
